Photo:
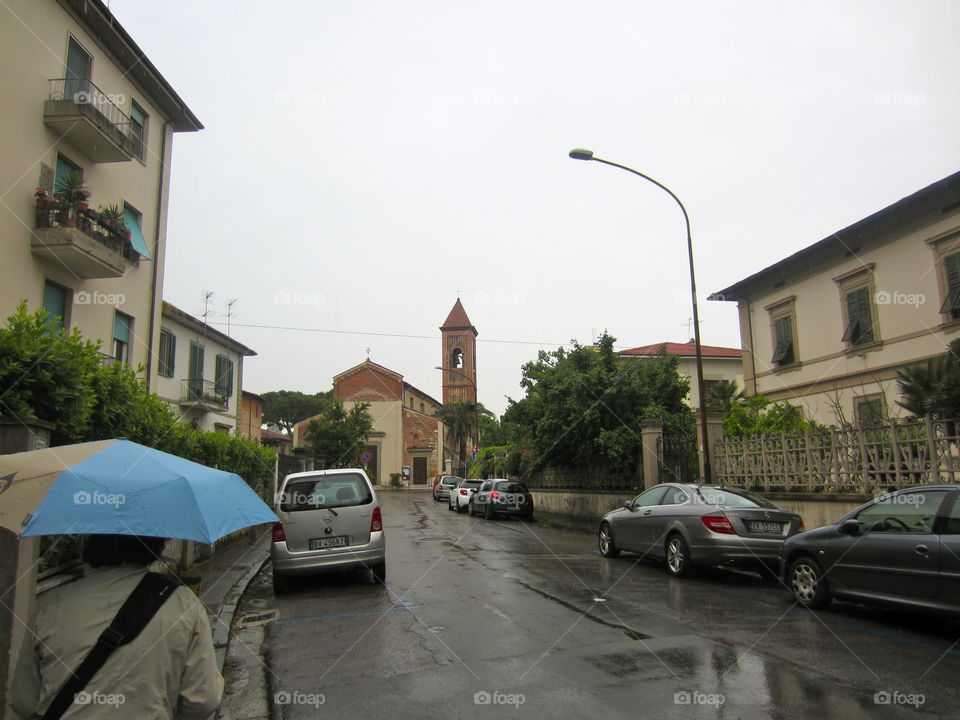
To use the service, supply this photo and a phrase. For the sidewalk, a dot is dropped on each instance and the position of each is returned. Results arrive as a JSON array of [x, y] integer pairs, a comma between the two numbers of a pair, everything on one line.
[[224, 577]]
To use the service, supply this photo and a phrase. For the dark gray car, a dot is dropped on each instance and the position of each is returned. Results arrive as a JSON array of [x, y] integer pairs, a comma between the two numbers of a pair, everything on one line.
[[689, 525], [501, 497], [900, 550]]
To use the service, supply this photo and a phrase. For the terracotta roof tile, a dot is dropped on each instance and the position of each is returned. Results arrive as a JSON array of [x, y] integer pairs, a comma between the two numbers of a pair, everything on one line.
[[686, 350]]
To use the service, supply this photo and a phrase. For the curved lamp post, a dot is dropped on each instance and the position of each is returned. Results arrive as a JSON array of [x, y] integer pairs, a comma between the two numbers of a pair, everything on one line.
[[476, 407], [580, 154]]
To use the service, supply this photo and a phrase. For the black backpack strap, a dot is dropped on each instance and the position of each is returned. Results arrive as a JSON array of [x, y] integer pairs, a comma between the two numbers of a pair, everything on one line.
[[134, 615]]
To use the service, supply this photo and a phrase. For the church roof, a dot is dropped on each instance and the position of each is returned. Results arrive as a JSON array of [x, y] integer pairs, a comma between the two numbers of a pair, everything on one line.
[[458, 319]]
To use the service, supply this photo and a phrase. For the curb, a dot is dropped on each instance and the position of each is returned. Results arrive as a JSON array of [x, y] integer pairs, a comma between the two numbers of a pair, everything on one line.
[[221, 631]]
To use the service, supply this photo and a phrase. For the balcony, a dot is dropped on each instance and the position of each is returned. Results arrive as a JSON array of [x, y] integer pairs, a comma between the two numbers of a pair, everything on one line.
[[88, 118], [198, 394], [78, 240]]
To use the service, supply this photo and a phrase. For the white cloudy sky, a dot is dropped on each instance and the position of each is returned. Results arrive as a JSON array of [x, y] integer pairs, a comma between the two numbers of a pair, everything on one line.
[[365, 160]]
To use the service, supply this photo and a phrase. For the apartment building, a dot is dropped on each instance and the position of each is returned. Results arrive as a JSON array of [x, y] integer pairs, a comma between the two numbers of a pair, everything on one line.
[[87, 133], [200, 371], [829, 327]]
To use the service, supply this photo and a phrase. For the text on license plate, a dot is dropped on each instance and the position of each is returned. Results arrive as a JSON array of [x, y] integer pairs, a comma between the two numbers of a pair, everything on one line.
[[328, 542], [767, 527]]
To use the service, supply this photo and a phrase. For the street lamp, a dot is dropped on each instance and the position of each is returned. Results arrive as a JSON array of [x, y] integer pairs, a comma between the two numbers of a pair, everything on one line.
[[476, 407], [580, 154]]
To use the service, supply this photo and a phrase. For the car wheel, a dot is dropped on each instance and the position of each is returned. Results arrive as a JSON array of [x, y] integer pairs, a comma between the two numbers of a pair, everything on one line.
[[462, 509], [605, 539], [379, 571], [807, 583], [488, 512], [450, 507], [280, 584], [679, 563]]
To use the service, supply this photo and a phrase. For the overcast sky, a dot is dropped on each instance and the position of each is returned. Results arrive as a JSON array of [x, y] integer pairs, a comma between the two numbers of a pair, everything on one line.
[[363, 162]]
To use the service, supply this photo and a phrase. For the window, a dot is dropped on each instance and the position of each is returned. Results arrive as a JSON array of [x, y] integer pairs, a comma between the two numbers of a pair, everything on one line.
[[859, 319], [138, 129], [650, 497], [674, 496], [168, 353], [122, 330], [195, 378], [951, 271], [952, 524], [64, 168], [783, 341], [76, 85], [133, 221], [868, 411], [223, 376], [907, 512], [55, 303], [456, 358], [222, 428]]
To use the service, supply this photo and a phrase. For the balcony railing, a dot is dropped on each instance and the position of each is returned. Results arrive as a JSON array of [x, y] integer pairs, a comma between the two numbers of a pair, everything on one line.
[[197, 391], [91, 119], [64, 215]]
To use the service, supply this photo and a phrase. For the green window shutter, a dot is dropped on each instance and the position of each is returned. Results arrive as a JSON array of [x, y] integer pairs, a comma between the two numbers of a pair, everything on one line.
[[783, 331], [951, 266], [869, 413], [55, 303], [859, 321], [224, 376], [195, 378], [168, 349], [131, 219], [121, 327]]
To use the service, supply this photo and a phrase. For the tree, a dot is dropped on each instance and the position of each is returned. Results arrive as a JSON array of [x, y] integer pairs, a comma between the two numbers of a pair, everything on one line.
[[723, 395], [288, 407], [492, 431], [757, 414], [932, 387], [337, 435], [491, 462], [461, 418], [583, 407]]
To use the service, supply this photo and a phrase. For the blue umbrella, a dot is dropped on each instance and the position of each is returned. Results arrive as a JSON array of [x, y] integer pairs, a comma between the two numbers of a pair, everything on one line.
[[120, 487]]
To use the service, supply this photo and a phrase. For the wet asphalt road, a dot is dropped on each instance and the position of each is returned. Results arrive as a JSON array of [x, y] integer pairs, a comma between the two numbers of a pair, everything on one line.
[[533, 620]]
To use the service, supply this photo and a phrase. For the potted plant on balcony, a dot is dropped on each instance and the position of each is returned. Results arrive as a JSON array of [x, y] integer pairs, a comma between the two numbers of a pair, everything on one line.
[[73, 190], [112, 216]]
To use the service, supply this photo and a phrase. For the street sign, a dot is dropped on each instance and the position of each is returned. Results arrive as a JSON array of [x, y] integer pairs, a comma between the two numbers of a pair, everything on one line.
[[365, 457]]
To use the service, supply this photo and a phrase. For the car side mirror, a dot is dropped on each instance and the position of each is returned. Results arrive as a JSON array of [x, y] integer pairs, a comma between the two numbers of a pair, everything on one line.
[[849, 527], [628, 504]]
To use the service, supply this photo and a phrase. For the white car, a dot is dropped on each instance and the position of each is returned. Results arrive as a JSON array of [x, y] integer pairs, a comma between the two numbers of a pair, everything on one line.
[[460, 495]]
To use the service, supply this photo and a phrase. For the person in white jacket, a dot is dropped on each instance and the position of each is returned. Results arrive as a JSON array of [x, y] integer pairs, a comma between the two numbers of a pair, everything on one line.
[[169, 672]]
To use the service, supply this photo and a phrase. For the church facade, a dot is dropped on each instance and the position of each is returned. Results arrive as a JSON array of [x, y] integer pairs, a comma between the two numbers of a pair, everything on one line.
[[407, 437]]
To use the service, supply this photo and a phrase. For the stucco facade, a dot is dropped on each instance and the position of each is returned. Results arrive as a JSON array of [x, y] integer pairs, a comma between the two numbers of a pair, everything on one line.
[[200, 372], [829, 327], [94, 278]]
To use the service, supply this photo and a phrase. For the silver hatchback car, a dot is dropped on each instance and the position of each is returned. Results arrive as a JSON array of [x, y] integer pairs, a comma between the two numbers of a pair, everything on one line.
[[329, 520]]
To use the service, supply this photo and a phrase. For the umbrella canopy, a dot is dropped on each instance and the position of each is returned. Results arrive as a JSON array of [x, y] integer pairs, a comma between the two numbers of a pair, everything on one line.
[[120, 487]]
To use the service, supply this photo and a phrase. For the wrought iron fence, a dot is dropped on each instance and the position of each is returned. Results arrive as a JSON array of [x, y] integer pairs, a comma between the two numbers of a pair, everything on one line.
[[846, 459], [60, 214], [678, 458], [200, 390]]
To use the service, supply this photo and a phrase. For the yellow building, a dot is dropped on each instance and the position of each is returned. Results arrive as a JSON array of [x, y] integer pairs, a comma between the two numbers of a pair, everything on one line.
[[79, 96], [829, 327]]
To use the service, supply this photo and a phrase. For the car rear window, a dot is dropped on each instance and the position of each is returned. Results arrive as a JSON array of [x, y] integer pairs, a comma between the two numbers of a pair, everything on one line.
[[734, 498], [325, 491], [510, 487], [450, 480], [471, 483]]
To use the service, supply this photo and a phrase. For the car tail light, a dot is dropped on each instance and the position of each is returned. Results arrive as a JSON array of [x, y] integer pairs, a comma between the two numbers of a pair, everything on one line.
[[278, 534], [494, 495], [463, 492], [800, 527], [376, 522], [719, 524]]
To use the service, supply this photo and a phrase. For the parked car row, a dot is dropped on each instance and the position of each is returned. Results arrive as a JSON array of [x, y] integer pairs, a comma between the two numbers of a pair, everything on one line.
[[491, 498], [900, 550]]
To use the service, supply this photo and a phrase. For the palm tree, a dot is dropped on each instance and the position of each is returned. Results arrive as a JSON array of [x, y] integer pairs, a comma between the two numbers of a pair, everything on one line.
[[922, 386], [461, 418], [723, 395]]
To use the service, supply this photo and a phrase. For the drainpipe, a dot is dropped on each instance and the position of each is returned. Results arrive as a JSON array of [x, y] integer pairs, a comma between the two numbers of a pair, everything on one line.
[[156, 252]]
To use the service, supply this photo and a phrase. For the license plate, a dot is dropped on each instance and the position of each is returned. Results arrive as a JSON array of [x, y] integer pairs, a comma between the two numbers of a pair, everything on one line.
[[328, 542], [766, 527]]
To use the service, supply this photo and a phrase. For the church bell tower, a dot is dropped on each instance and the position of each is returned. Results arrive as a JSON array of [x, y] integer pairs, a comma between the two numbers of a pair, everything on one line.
[[459, 356]]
